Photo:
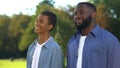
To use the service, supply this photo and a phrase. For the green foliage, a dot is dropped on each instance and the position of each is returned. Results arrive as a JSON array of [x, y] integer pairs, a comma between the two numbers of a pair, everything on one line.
[[102, 15], [113, 7], [11, 29], [47, 2], [4, 23], [28, 37], [16, 28], [18, 24], [114, 28]]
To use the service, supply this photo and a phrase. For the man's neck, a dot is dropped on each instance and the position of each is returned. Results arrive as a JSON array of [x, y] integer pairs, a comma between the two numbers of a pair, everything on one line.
[[43, 38], [87, 30]]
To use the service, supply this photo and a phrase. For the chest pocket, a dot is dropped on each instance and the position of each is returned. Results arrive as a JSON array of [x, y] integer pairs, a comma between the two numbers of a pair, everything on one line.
[[94, 47]]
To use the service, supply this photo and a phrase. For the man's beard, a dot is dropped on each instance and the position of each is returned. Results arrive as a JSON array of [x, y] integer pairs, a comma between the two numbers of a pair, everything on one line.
[[85, 23]]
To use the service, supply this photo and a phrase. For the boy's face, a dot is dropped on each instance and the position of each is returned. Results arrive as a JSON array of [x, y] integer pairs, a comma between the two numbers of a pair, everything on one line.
[[42, 24]]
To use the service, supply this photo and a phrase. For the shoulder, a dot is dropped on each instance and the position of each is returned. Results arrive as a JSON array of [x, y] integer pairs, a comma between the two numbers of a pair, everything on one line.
[[106, 35], [73, 37], [55, 48], [111, 42], [73, 42], [108, 38], [53, 45], [32, 44]]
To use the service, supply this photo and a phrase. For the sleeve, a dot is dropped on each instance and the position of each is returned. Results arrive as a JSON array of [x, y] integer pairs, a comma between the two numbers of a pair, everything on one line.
[[68, 53], [57, 58], [28, 60], [68, 57], [113, 60]]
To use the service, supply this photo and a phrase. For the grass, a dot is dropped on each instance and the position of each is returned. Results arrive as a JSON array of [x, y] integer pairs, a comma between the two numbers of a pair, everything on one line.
[[17, 63]]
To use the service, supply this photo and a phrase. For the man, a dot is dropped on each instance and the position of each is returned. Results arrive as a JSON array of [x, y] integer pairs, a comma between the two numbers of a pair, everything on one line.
[[91, 46], [44, 52]]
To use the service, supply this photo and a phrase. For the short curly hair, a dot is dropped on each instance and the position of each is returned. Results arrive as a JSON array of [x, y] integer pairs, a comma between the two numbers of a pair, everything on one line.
[[90, 5]]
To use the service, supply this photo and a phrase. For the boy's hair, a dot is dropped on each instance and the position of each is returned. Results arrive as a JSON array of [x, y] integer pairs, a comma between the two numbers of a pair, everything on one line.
[[51, 16]]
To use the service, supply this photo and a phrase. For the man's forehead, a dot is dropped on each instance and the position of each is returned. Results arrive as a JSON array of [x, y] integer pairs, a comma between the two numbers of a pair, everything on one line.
[[81, 7]]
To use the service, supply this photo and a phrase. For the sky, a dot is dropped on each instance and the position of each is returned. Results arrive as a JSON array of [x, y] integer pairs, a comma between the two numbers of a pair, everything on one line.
[[10, 7]]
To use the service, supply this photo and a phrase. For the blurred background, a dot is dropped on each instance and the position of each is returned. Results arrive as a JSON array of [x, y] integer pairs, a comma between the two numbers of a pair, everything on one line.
[[17, 25]]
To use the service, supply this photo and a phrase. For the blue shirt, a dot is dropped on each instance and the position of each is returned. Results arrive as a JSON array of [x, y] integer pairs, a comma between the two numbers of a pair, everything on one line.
[[101, 50], [51, 55]]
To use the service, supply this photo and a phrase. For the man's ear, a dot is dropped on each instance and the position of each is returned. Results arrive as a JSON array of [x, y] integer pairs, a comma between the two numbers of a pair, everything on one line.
[[94, 15]]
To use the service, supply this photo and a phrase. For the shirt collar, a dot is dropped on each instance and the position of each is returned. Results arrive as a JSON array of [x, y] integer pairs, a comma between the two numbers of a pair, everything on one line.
[[45, 41], [95, 30], [47, 44]]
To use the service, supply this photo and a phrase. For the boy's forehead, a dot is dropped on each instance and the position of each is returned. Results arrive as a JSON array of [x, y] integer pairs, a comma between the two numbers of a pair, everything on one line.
[[82, 6], [42, 16]]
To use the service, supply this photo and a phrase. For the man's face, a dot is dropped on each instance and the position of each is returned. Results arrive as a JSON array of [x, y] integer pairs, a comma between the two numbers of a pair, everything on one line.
[[82, 17], [42, 24]]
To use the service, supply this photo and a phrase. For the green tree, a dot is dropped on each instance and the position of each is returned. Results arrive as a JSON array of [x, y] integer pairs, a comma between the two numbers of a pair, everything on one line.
[[101, 15], [4, 23], [16, 28], [11, 28], [47, 2], [111, 13]]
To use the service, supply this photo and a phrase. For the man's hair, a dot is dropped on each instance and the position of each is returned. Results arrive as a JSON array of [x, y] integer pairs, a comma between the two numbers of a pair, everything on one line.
[[90, 5], [51, 16]]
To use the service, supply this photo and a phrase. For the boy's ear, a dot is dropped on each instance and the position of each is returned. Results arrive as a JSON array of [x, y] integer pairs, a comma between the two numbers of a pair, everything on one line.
[[50, 27]]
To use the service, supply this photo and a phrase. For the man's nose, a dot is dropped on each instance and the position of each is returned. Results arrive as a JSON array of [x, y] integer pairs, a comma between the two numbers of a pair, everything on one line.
[[77, 17]]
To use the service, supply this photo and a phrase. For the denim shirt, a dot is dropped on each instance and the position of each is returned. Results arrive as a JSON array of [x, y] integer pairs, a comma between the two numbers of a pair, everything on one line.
[[51, 55], [101, 50]]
